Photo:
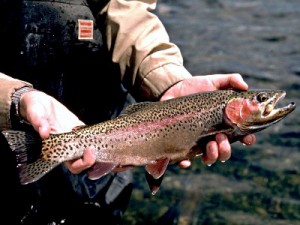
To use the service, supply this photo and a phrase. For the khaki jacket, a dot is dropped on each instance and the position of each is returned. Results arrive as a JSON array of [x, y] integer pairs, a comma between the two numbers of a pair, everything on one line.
[[138, 43]]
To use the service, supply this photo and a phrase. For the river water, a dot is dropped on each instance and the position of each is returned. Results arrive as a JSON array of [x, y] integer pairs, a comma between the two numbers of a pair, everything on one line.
[[260, 184]]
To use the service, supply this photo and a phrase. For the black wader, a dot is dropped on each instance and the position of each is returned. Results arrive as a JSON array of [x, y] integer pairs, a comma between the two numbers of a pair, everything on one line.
[[58, 47]]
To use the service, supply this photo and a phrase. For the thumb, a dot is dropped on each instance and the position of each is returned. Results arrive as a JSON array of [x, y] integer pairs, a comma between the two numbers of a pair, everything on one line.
[[238, 82], [234, 80], [38, 119], [43, 129]]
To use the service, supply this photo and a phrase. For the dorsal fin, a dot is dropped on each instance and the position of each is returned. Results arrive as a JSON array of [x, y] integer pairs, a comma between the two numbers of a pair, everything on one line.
[[135, 107], [78, 127]]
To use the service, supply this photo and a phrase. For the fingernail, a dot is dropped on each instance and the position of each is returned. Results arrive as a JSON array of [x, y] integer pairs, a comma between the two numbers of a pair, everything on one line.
[[222, 161], [208, 164], [248, 140], [93, 149], [221, 137]]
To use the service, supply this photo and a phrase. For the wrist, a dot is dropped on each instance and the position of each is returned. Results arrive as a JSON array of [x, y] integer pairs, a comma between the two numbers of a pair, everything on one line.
[[172, 92], [16, 100]]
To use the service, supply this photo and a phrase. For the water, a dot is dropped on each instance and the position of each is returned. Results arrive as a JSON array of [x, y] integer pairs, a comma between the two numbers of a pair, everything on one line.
[[260, 184]]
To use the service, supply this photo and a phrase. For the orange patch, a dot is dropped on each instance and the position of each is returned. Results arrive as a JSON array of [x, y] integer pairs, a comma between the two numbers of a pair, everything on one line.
[[85, 29]]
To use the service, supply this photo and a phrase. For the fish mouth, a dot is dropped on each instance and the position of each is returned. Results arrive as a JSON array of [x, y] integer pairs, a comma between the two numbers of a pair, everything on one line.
[[271, 112], [272, 115], [270, 105]]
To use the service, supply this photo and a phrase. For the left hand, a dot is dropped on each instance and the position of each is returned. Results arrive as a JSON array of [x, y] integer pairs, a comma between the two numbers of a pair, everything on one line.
[[47, 115], [219, 149]]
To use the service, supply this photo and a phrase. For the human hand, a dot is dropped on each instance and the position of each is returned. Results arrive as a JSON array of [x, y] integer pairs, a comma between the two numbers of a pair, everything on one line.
[[47, 115], [219, 149]]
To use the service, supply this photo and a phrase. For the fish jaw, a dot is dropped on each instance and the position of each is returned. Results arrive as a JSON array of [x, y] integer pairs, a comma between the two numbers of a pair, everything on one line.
[[253, 111]]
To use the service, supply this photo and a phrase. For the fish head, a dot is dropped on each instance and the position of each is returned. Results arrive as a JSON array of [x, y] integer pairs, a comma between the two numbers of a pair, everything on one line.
[[254, 110]]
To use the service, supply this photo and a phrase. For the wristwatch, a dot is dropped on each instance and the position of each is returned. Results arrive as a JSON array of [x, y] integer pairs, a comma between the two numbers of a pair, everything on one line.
[[16, 101]]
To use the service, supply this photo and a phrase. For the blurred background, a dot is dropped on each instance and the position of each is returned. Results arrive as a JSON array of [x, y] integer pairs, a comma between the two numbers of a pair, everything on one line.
[[260, 184]]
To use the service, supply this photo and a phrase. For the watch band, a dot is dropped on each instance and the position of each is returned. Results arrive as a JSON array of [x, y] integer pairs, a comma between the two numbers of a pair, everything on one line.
[[16, 101]]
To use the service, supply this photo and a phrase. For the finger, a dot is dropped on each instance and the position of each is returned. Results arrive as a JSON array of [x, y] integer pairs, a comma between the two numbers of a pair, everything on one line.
[[234, 80], [185, 164], [88, 159], [223, 146], [248, 139], [211, 153]]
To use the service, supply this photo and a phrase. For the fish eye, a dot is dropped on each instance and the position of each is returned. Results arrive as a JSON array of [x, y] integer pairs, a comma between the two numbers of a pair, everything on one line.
[[262, 97]]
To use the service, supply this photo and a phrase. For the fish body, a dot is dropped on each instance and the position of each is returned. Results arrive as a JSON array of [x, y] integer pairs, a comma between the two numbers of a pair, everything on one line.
[[153, 134]]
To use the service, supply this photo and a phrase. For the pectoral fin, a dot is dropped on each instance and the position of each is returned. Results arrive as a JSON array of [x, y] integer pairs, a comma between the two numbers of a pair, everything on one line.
[[157, 168], [100, 169]]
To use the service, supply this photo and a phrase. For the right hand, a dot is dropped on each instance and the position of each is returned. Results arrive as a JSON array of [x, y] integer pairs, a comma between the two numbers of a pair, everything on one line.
[[47, 115], [220, 149]]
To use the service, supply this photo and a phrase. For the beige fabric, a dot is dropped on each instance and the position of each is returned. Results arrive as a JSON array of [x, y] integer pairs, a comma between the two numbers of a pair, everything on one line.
[[8, 86], [140, 45]]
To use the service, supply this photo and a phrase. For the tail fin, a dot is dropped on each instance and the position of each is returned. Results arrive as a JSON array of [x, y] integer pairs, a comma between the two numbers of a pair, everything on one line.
[[27, 147]]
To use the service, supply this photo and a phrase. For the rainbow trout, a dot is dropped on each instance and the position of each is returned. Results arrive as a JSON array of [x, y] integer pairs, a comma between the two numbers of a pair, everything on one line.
[[152, 134]]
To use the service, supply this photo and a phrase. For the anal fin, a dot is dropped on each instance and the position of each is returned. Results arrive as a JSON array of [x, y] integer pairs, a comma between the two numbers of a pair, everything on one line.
[[100, 169]]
